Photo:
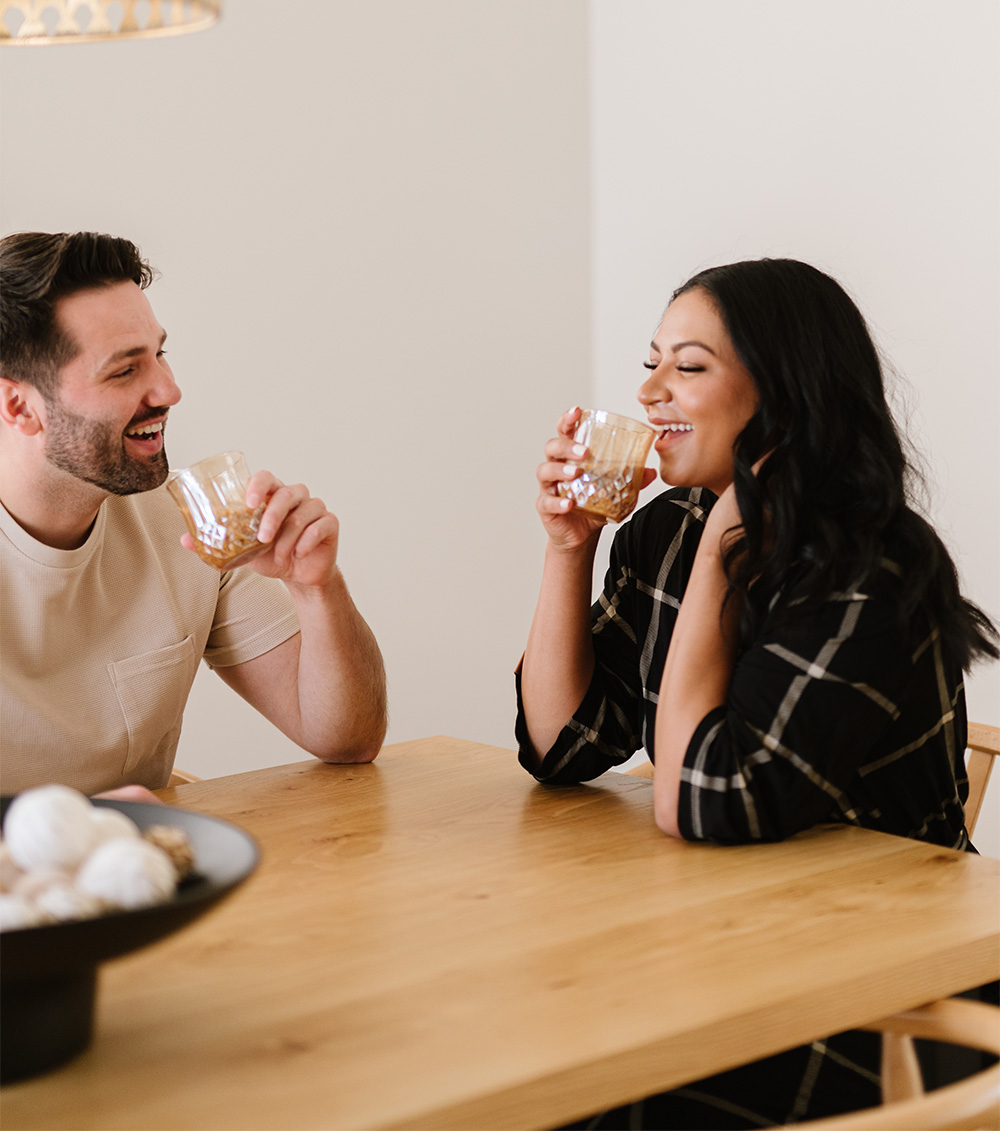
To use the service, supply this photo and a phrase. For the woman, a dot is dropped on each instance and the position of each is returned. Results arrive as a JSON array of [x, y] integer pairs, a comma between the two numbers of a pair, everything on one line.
[[781, 631]]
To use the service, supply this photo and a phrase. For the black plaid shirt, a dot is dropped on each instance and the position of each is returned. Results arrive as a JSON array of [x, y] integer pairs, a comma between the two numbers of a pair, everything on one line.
[[840, 716]]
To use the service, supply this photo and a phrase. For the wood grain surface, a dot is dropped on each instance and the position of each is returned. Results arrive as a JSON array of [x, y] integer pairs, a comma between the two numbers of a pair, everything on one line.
[[435, 941]]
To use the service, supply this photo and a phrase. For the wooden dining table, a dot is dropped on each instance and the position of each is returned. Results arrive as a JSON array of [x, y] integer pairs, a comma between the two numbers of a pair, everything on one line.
[[437, 941]]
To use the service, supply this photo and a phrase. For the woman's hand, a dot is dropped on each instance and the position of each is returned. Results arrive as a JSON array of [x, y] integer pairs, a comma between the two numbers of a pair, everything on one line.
[[723, 516], [726, 516], [568, 527]]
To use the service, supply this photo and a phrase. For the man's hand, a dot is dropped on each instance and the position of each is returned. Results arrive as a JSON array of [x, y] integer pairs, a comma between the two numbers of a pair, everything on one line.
[[302, 533], [130, 793]]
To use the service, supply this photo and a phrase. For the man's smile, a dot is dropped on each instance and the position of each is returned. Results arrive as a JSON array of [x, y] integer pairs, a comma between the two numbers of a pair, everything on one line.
[[147, 436]]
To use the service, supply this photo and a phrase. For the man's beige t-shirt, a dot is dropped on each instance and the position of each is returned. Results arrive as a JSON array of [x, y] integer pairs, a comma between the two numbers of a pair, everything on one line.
[[99, 646]]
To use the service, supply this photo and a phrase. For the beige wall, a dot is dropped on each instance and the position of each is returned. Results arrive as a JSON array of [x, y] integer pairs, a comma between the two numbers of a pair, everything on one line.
[[373, 239]]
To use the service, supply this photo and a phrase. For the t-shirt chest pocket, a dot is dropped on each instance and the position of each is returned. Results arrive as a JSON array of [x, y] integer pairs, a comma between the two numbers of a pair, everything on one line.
[[152, 690]]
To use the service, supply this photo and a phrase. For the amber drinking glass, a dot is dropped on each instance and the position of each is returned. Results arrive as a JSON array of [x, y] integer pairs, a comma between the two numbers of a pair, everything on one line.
[[212, 497], [611, 473]]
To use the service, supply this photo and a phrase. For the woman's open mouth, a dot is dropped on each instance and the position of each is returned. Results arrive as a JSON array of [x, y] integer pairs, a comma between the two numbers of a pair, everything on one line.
[[670, 432]]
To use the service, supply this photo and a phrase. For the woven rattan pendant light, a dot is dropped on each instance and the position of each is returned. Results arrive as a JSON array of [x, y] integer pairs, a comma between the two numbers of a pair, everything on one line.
[[42, 22]]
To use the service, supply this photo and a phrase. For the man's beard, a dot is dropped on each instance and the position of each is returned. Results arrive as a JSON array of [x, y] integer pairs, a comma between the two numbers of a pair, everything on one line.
[[92, 451]]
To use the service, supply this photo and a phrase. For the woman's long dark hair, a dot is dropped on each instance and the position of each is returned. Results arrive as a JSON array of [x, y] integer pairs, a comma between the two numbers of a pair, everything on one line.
[[831, 500]]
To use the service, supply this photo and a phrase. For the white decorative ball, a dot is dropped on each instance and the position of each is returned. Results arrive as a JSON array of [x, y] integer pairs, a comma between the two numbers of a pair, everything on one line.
[[32, 884], [109, 823], [10, 873], [63, 902], [17, 912], [49, 827], [128, 872]]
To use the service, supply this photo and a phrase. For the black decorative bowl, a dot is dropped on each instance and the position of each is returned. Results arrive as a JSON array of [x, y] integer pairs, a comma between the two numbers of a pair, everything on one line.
[[48, 974]]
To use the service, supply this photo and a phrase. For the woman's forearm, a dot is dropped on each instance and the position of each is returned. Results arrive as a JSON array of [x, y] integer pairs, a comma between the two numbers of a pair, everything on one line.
[[559, 660], [696, 675]]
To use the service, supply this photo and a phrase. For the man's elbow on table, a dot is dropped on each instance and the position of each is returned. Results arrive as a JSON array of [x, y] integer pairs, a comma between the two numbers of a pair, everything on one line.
[[357, 748], [354, 755]]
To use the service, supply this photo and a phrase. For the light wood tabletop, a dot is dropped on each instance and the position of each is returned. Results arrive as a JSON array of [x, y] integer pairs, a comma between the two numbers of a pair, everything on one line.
[[436, 941]]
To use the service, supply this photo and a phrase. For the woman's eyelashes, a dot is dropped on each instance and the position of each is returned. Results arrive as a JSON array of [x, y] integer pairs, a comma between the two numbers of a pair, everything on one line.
[[688, 367]]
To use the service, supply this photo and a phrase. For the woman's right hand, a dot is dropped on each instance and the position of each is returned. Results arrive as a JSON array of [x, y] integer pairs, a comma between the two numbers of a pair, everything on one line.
[[568, 527]]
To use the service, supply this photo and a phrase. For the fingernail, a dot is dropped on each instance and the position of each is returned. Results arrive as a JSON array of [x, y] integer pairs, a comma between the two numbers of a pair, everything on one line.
[[569, 470], [565, 504], [579, 450]]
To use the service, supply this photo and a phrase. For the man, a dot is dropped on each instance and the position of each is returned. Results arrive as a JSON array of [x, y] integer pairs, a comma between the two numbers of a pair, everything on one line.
[[105, 610]]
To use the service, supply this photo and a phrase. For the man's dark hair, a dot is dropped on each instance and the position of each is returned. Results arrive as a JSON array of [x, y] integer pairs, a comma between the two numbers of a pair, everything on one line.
[[36, 270]]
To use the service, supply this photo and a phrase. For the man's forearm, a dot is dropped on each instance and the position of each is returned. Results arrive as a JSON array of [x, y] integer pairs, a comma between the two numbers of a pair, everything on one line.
[[339, 676]]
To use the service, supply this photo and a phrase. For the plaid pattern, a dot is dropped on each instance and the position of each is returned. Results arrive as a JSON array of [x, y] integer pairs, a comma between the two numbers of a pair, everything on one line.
[[837, 717]]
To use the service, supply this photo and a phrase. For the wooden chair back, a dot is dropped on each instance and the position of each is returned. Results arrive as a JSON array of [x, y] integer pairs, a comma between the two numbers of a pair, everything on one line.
[[983, 747], [181, 777], [972, 1103]]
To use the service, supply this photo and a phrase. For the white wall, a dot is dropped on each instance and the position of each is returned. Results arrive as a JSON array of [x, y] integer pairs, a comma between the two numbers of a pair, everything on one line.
[[862, 136], [376, 238], [373, 238]]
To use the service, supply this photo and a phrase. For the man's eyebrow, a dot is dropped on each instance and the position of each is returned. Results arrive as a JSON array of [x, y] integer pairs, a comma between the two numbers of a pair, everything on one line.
[[680, 345], [132, 351]]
